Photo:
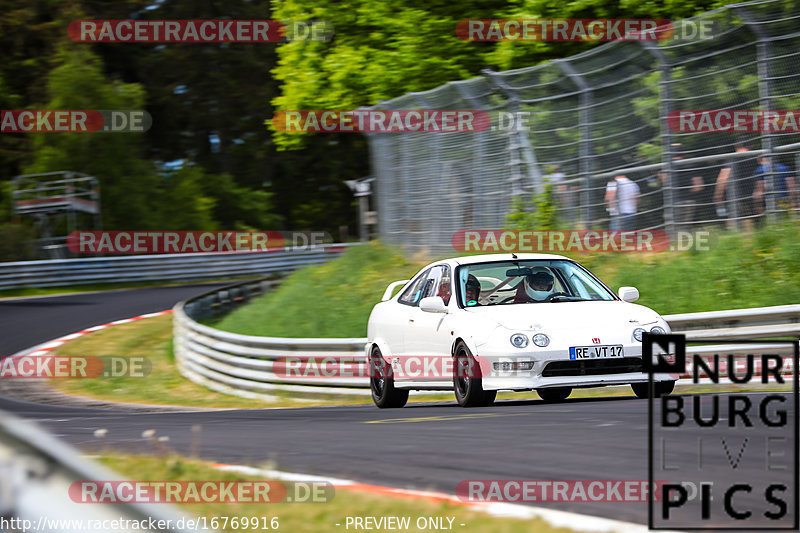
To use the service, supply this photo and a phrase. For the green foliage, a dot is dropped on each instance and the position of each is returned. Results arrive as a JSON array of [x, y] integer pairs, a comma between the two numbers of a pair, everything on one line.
[[16, 242], [383, 50], [332, 300], [128, 181], [540, 214], [739, 271]]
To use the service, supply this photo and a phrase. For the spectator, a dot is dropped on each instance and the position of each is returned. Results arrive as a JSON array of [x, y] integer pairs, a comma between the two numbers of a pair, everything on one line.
[[687, 189], [742, 171], [622, 199], [563, 191], [784, 185]]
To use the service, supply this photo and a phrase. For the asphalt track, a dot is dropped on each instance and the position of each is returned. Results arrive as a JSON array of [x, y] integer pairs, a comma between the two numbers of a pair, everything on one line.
[[431, 446]]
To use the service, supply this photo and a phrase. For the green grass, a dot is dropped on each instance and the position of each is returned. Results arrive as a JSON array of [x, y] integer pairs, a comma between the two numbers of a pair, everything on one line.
[[335, 300], [332, 300], [316, 517], [740, 271]]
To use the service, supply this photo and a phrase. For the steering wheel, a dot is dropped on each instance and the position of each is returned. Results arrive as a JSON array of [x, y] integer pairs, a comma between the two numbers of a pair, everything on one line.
[[551, 296]]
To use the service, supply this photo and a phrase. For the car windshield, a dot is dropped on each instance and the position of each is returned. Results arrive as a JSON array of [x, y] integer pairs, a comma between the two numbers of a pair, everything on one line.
[[531, 281]]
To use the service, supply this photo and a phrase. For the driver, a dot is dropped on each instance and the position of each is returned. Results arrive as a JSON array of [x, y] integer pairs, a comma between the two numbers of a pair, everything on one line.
[[536, 287], [472, 291]]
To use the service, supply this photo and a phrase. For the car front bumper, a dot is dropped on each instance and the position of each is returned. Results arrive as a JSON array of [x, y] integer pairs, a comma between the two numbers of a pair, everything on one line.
[[554, 368]]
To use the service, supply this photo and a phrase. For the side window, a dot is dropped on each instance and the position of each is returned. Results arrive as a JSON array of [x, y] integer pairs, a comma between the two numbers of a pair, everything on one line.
[[413, 294], [439, 283]]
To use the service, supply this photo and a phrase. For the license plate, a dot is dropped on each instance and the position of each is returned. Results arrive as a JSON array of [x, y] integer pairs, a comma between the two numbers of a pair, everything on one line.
[[595, 352]]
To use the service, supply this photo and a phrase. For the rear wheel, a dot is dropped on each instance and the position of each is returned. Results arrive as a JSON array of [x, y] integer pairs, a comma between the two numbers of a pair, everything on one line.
[[554, 394], [468, 388], [661, 388], [381, 381]]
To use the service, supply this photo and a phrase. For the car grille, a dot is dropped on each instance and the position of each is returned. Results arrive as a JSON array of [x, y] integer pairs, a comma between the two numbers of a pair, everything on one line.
[[593, 367]]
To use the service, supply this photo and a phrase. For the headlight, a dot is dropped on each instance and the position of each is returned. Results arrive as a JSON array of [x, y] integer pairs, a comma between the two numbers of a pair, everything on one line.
[[637, 334], [518, 340], [541, 340], [658, 330]]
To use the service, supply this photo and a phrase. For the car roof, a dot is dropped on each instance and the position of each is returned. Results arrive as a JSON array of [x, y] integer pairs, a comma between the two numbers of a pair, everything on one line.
[[488, 258]]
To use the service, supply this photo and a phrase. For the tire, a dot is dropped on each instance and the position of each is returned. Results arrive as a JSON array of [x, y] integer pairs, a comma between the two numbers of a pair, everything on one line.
[[384, 393], [469, 390], [489, 397], [554, 394], [662, 388]]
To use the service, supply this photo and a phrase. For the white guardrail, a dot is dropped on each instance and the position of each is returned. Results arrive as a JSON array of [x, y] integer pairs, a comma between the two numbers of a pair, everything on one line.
[[161, 267], [36, 473], [242, 365]]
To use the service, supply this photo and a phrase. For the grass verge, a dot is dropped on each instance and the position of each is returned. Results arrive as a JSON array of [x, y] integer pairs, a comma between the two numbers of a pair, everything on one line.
[[313, 517]]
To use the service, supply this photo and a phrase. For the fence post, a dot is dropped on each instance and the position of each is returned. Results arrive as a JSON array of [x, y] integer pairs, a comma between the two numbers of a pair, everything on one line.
[[585, 153], [518, 140], [765, 102], [479, 140], [666, 136], [436, 176]]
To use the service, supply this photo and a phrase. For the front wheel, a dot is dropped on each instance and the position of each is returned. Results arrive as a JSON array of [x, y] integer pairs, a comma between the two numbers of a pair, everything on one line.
[[468, 388], [661, 388], [381, 381]]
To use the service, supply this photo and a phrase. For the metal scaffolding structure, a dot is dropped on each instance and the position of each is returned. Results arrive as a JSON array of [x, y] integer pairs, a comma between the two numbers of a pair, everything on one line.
[[60, 203]]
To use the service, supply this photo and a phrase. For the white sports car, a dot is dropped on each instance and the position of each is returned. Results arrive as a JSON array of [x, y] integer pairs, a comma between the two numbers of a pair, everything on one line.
[[485, 323]]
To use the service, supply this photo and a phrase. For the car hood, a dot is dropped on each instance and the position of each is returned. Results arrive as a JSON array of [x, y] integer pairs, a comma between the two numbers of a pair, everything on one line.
[[565, 315]]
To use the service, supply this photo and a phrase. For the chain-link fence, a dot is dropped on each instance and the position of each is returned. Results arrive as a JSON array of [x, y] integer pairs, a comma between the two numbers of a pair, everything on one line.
[[583, 120]]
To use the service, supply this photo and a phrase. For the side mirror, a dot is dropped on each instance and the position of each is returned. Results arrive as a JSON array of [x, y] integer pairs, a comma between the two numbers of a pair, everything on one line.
[[433, 304], [628, 294]]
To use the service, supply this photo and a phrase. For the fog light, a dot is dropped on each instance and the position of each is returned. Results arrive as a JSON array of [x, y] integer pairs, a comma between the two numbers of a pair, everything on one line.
[[541, 340], [637, 334], [518, 340], [509, 366], [658, 330]]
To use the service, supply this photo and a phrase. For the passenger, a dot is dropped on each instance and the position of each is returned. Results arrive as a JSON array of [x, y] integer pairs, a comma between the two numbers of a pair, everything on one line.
[[472, 291]]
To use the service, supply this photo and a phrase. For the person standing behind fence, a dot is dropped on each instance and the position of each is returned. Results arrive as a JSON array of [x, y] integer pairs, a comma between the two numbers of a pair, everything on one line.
[[784, 185], [742, 172], [622, 199]]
